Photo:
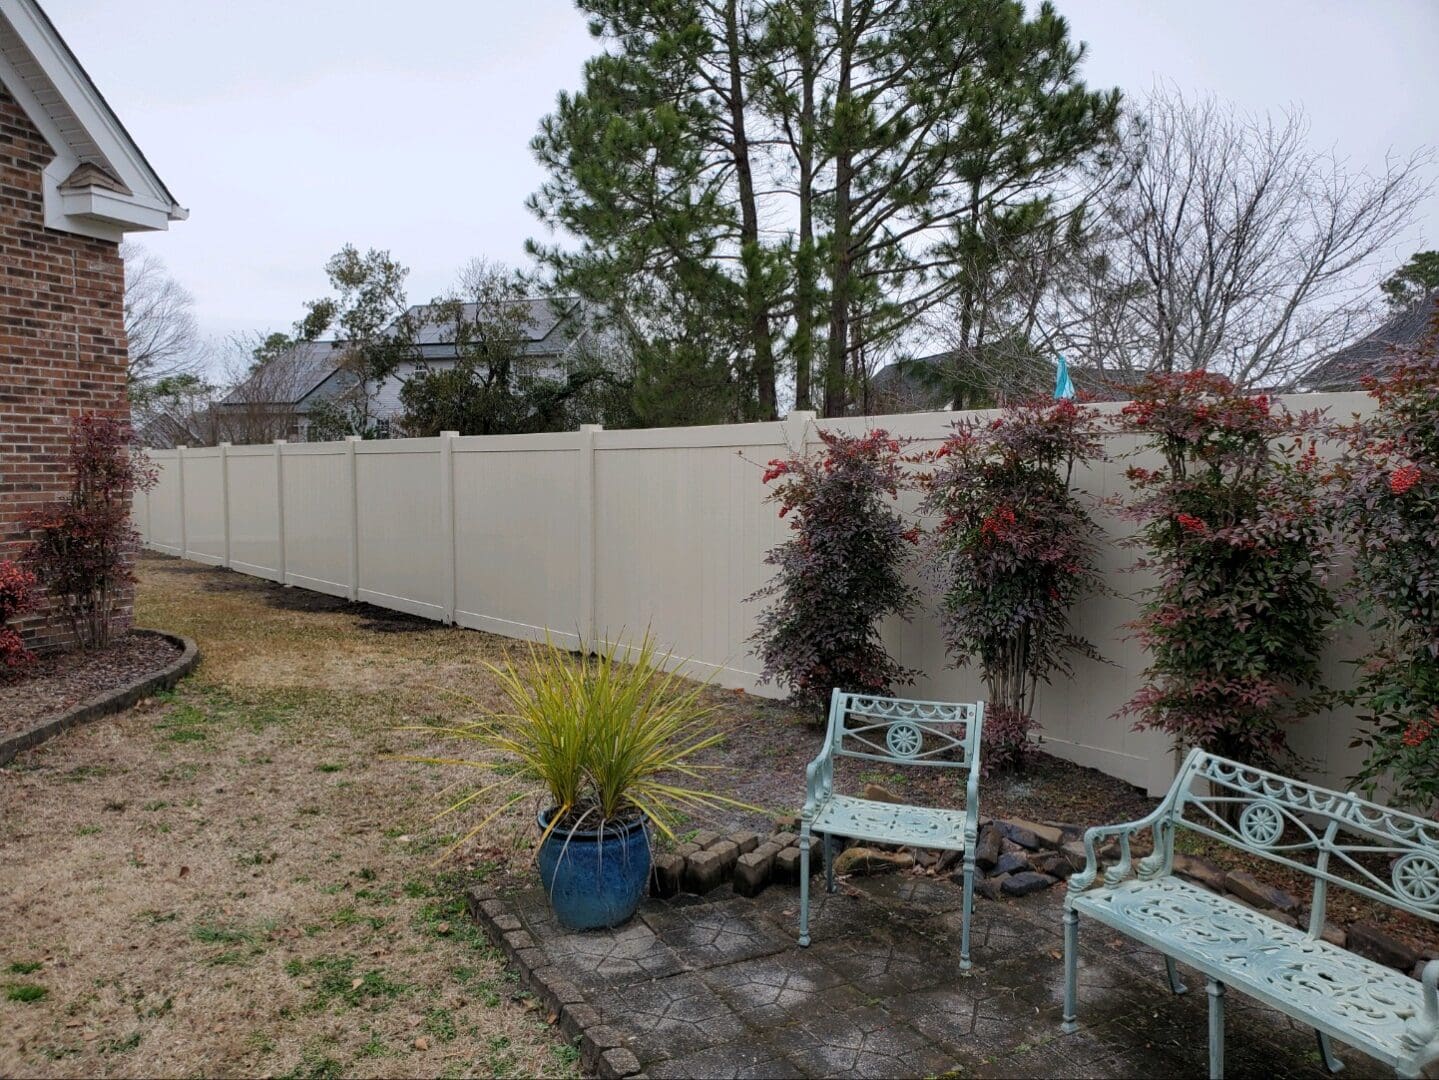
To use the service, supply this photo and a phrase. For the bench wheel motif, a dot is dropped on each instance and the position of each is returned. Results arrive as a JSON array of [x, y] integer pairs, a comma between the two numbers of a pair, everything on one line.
[[1416, 876], [903, 740], [1262, 823]]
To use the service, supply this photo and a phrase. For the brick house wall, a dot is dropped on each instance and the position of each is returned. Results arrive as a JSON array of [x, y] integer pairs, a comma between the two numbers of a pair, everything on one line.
[[62, 342]]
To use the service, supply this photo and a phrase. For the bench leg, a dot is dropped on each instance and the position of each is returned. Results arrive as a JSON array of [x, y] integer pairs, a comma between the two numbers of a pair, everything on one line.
[[968, 910], [1216, 1029], [1172, 969], [828, 863], [1326, 1053], [1071, 969], [804, 884]]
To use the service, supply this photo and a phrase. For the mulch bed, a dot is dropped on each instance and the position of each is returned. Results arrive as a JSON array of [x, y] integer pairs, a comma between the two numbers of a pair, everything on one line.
[[59, 681]]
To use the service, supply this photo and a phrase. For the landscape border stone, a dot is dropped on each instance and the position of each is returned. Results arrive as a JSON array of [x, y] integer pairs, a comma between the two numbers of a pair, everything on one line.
[[110, 702]]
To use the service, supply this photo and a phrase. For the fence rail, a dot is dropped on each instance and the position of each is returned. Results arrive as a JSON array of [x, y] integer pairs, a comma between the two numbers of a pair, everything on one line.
[[599, 534]]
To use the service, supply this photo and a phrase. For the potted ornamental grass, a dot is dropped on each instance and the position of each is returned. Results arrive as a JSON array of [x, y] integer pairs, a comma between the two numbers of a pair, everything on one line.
[[611, 740]]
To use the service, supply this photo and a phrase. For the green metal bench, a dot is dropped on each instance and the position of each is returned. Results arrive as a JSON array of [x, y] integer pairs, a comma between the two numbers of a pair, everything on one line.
[[893, 731], [1335, 838]]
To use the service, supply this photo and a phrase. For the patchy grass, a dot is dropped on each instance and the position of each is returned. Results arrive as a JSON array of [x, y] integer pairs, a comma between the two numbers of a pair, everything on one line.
[[232, 878]]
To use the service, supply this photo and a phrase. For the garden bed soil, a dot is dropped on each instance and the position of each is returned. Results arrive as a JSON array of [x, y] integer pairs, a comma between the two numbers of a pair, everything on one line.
[[59, 681]]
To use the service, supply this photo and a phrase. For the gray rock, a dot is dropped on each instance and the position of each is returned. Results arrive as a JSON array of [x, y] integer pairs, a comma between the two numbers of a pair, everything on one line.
[[752, 872], [728, 853], [1335, 935], [1026, 882], [947, 861], [1200, 871], [1013, 863], [869, 861], [1073, 853], [745, 841], [786, 866], [706, 839], [704, 871], [685, 850], [986, 851], [989, 888], [1382, 947], [1259, 894], [784, 839], [787, 823], [1048, 836], [1054, 864], [666, 874], [1020, 835]]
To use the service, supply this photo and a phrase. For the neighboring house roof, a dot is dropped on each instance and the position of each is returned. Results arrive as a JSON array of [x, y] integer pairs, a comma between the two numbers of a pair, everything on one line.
[[898, 383], [549, 332], [308, 365], [1373, 353], [99, 183], [164, 431]]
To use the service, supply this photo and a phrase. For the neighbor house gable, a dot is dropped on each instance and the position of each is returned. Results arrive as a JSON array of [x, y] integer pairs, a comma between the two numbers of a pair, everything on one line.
[[99, 183]]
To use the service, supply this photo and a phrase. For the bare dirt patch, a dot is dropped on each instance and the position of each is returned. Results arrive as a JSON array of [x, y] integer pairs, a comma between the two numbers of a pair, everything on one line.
[[58, 681]]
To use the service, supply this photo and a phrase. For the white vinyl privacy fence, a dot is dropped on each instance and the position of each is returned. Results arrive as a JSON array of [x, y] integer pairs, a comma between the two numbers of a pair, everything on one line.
[[600, 534]]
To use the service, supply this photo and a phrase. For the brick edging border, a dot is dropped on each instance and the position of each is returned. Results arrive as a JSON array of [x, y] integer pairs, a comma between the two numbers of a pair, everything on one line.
[[602, 1050], [112, 701]]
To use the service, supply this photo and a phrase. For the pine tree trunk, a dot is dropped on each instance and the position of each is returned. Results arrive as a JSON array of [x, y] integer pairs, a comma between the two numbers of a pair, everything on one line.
[[835, 398], [751, 251]]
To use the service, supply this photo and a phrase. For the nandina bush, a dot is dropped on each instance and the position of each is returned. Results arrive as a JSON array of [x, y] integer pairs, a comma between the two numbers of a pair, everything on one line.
[[1013, 552], [1386, 487], [17, 596], [842, 571], [1236, 540], [81, 548]]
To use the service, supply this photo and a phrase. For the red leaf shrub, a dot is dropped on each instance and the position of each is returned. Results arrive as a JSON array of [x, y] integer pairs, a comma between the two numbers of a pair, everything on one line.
[[1236, 539], [80, 548], [1386, 495], [1013, 552], [17, 596], [840, 573]]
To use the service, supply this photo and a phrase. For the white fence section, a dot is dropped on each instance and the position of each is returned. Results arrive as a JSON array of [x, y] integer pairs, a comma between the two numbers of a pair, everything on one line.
[[598, 534]]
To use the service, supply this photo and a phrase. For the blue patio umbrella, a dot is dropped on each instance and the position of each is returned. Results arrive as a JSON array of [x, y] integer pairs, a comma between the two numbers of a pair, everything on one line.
[[1063, 387]]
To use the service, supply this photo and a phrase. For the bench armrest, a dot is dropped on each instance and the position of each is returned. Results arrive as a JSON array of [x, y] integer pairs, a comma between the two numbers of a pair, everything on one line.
[[1421, 1033], [819, 776], [1121, 870]]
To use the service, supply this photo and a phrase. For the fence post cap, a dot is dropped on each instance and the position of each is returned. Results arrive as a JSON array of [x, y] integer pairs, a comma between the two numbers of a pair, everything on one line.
[[801, 414], [592, 427], [281, 442], [449, 434], [353, 438]]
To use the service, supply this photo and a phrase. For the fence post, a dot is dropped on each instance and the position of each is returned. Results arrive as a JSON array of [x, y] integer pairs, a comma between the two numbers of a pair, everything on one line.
[[350, 441], [447, 524], [184, 532], [280, 508], [587, 624], [796, 429], [225, 497]]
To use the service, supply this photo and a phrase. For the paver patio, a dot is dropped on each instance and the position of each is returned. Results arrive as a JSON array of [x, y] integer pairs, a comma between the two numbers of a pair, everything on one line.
[[715, 986]]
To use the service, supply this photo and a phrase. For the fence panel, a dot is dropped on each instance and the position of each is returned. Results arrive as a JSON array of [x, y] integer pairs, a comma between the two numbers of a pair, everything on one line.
[[519, 533], [599, 534], [204, 501], [401, 547], [318, 516], [253, 489]]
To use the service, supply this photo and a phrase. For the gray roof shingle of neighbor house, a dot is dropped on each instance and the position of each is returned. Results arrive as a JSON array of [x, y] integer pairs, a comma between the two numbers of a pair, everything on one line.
[[552, 327], [1373, 353]]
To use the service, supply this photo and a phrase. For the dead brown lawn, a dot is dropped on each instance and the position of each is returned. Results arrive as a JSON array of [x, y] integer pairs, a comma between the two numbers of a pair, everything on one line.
[[233, 880]]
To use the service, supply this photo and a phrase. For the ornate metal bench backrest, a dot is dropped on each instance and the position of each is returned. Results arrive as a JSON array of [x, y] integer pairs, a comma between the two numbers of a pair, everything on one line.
[[905, 732], [1334, 837]]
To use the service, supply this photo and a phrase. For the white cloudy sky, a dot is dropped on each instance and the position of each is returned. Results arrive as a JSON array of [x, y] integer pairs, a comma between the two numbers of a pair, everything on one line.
[[290, 127]]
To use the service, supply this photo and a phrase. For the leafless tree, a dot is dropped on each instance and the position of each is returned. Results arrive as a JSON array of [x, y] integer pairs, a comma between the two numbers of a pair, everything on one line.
[[264, 384], [1230, 245], [159, 320]]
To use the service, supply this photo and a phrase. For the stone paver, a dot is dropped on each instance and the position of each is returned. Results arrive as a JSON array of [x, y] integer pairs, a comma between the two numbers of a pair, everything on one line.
[[715, 986]]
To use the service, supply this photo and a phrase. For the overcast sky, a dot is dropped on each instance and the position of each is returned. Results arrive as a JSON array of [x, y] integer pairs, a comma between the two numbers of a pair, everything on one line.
[[290, 128]]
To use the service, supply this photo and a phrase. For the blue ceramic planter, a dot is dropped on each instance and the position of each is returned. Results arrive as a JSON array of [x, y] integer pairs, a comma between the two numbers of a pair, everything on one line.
[[595, 881]]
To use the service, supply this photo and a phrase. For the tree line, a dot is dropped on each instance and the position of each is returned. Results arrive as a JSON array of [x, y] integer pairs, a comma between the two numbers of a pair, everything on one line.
[[765, 201]]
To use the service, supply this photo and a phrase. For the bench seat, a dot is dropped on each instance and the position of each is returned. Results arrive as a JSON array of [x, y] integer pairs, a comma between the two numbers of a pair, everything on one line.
[[1350, 998], [891, 823]]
